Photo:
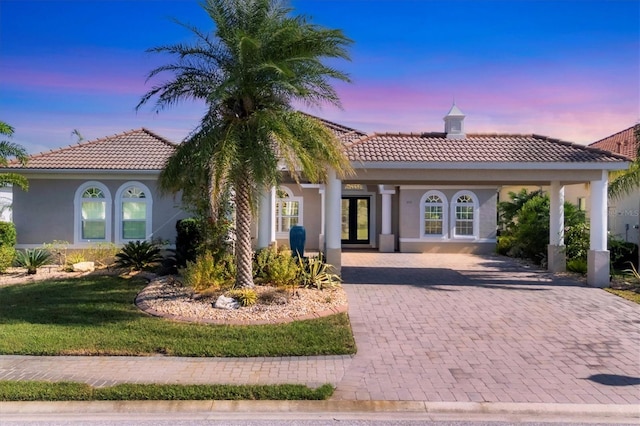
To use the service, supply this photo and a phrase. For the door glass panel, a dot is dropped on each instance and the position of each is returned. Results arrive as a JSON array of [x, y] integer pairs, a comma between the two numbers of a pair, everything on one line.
[[345, 219], [363, 219]]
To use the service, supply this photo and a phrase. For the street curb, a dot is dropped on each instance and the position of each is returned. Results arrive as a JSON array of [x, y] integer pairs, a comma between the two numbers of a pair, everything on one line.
[[630, 411]]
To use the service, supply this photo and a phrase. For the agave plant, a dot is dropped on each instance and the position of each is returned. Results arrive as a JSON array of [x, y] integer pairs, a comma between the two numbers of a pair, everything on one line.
[[138, 255], [32, 259]]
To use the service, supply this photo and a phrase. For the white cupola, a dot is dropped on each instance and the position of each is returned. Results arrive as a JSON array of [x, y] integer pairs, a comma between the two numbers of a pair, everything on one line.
[[454, 123]]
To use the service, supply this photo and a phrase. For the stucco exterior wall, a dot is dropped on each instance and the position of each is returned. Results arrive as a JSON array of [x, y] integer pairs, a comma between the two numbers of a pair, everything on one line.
[[46, 212], [410, 223], [311, 216]]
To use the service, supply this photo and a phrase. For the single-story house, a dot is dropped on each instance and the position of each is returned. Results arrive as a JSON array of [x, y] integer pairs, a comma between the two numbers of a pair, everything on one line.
[[418, 192]]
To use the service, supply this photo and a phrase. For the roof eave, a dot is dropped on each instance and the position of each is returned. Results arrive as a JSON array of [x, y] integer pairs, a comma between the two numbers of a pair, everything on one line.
[[609, 166]]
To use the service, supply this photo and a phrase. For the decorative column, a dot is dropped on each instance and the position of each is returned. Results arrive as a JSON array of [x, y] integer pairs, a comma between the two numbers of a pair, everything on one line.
[[386, 238], [598, 256], [267, 218], [556, 255], [321, 190], [333, 220]]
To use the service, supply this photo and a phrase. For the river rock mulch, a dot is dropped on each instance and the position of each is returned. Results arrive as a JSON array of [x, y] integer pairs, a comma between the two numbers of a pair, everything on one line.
[[168, 298]]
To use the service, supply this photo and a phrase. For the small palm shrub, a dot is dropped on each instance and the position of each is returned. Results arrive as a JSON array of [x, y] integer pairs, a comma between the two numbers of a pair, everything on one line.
[[138, 255], [315, 273], [244, 296], [633, 273], [207, 274], [102, 254], [7, 256], [32, 259]]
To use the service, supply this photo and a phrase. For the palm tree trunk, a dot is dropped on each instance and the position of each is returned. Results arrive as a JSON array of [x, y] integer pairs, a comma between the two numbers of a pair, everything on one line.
[[244, 253]]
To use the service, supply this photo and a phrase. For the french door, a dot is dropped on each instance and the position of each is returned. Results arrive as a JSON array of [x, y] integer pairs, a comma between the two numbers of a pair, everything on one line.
[[355, 220]]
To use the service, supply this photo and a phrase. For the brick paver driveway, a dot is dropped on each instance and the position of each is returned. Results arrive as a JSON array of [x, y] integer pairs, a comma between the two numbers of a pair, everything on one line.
[[467, 328]]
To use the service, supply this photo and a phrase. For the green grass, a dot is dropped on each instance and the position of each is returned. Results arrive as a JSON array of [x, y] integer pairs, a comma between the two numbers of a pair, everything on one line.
[[68, 391], [626, 294], [97, 316]]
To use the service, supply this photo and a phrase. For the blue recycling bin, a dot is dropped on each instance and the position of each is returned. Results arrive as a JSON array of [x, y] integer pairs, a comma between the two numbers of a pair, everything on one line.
[[297, 238]]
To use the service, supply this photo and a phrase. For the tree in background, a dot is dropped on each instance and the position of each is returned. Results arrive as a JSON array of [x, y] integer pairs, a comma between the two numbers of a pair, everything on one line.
[[9, 149], [526, 233], [249, 71]]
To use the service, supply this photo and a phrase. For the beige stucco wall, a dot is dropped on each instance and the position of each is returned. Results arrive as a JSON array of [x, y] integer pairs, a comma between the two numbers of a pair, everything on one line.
[[311, 216], [55, 198], [410, 224]]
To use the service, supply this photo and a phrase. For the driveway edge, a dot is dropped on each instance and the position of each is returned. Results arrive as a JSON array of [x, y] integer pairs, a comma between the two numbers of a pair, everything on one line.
[[600, 411]]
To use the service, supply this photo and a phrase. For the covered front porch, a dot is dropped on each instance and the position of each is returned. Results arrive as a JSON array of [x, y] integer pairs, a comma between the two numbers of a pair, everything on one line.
[[376, 210]]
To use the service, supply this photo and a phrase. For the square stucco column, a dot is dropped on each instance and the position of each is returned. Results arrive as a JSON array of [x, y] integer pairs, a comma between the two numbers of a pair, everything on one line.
[[333, 220], [598, 256], [556, 255], [387, 241], [267, 218]]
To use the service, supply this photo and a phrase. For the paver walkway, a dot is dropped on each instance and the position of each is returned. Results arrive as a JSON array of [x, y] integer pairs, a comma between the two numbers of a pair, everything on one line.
[[467, 328]]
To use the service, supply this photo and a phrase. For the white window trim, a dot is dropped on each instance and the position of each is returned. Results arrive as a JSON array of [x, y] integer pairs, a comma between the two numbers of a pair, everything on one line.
[[476, 216], [77, 213], [445, 216], [278, 216], [118, 211]]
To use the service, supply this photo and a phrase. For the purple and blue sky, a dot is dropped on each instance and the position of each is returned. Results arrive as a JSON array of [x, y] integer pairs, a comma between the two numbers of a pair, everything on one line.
[[566, 69]]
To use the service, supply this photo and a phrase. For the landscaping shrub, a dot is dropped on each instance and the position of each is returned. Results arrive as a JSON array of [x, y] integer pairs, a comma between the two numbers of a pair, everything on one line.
[[577, 241], [205, 273], [315, 273], [578, 265], [282, 269], [138, 255], [189, 238], [525, 224], [8, 235], [7, 256], [622, 253], [32, 259]]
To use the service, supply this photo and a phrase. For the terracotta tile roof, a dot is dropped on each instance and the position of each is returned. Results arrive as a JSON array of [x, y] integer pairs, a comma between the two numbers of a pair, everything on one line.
[[134, 150], [491, 148], [344, 133], [623, 142]]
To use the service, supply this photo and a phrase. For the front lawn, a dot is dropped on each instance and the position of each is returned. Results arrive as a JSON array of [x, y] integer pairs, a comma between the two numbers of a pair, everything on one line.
[[97, 316]]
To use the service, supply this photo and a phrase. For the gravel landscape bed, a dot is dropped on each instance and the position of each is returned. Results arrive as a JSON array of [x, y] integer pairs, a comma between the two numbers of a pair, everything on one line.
[[166, 297]]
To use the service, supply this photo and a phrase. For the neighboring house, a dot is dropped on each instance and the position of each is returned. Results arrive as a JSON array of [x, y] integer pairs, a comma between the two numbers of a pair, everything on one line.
[[422, 192], [94, 192], [623, 212]]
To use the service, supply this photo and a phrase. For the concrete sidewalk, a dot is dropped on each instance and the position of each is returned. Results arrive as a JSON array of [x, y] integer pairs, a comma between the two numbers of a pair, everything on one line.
[[462, 330]]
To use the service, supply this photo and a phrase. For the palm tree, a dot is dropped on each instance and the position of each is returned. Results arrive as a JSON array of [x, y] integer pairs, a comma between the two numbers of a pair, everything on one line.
[[623, 183], [249, 71], [10, 149]]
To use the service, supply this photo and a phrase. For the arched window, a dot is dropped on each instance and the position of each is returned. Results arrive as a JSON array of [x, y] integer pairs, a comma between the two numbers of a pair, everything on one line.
[[464, 210], [133, 212], [288, 211], [433, 207], [92, 219]]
